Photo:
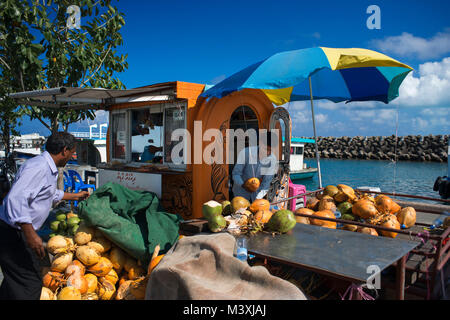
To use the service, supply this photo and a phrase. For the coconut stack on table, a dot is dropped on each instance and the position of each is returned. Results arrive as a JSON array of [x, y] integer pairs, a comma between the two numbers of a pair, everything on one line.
[[239, 216], [356, 206], [88, 266]]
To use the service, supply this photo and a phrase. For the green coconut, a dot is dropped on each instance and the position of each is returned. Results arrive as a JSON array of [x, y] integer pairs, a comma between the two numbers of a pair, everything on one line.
[[347, 216], [227, 209], [62, 226], [217, 223], [211, 208], [73, 221], [54, 225], [281, 221], [61, 217], [345, 207]]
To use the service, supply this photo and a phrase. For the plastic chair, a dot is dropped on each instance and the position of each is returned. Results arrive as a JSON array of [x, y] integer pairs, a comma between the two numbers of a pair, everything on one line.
[[67, 182], [78, 184], [296, 189]]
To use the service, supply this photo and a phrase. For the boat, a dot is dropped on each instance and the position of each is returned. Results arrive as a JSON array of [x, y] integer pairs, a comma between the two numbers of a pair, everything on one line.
[[299, 169]]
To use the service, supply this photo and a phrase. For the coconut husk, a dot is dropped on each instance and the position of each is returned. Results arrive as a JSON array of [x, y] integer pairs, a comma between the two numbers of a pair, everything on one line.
[[407, 217]]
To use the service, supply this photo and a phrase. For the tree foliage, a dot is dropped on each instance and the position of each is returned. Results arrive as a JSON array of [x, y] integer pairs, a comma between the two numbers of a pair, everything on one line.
[[52, 54]]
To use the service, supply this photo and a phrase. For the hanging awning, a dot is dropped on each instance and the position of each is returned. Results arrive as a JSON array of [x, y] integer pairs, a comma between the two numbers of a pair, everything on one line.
[[99, 98]]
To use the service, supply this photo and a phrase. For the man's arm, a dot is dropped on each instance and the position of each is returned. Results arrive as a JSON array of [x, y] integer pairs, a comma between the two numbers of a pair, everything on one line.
[[75, 196], [33, 240]]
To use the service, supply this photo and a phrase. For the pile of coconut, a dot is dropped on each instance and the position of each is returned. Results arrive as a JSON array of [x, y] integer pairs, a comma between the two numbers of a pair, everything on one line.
[[88, 266], [357, 206]]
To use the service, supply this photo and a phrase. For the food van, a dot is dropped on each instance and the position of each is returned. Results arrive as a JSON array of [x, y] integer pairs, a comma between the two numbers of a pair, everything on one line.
[[139, 143]]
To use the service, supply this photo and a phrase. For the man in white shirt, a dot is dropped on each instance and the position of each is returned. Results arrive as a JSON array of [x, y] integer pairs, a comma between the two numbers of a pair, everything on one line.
[[24, 211]]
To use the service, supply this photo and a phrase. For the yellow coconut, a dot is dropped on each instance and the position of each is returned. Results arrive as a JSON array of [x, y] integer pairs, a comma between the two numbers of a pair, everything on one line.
[[345, 193], [105, 289], [390, 222], [118, 257], [112, 276], [327, 203], [89, 296], [84, 234], [367, 230], [61, 262], [58, 244], [263, 216], [69, 293], [259, 204], [252, 184], [303, 220], [100, 244], [312, 203], [47, 294], [330, 190], [92, 282], [407, 217], [53, 280], [385, 204], [87, 255], [136, 272], [324, 223], [101, 268], [350, 227], [239, 203], [78, 281], [364, 209], [75, 267]]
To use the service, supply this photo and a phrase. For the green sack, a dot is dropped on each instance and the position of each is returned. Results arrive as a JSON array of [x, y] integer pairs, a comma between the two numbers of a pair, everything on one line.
[[133, 220]]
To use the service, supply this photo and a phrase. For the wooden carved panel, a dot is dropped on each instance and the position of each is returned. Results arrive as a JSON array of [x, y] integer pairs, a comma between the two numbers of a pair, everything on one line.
[[177, 194]]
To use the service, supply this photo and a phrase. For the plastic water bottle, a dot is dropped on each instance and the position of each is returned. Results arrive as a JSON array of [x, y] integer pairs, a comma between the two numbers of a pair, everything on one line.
[[338, 215], [440, 220], [241, 249]]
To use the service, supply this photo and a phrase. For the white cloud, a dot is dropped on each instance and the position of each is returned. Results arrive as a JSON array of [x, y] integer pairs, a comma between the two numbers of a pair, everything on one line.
[[408, 45], [321, 118], [430, 88], [439, 112]]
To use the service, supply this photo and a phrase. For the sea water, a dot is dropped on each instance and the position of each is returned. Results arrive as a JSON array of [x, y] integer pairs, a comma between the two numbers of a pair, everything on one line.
[[407, 177]]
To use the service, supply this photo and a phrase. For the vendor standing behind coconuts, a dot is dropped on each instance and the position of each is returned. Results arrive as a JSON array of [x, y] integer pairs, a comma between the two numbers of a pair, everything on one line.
[[24, 210], [252, 175]]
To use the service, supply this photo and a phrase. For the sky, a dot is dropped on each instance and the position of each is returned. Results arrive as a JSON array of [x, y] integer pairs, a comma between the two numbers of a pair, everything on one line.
[[207, 41]]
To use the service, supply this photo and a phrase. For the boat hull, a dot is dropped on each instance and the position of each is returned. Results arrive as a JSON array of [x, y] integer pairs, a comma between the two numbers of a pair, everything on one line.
[[303, 174]]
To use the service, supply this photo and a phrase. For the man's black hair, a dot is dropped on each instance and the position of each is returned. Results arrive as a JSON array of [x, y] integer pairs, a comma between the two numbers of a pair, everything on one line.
[[60, 140]]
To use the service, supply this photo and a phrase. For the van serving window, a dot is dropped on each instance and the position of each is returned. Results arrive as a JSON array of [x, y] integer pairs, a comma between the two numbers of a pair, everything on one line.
[[143, 134]]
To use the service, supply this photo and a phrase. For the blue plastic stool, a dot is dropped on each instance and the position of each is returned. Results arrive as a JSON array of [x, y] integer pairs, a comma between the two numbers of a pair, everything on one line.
[[78, 184]]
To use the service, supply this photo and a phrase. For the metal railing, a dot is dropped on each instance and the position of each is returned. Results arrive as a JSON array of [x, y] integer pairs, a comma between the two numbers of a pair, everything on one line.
[[95, 135]]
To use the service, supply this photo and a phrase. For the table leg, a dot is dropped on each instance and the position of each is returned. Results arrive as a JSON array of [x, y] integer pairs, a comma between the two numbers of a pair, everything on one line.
[[400, 278]]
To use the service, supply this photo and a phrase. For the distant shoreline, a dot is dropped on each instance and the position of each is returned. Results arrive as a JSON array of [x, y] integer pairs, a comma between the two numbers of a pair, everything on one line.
[[411, 148]]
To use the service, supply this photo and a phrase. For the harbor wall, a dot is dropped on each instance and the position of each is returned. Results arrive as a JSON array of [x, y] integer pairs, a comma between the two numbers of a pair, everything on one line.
[[409, 148]]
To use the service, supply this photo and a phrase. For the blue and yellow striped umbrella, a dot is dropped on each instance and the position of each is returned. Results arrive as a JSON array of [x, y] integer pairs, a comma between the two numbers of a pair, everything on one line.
[[336, 74]]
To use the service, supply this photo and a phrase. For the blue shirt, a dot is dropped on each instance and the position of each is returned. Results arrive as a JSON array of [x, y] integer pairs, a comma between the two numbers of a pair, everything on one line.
[[33, 193], [249, 165]]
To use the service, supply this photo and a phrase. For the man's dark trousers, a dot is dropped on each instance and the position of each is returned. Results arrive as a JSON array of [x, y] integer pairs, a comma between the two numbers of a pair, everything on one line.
[[20, 265]]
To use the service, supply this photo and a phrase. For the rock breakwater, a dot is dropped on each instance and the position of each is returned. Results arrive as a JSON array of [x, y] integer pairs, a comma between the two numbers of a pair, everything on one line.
[[409, 148]]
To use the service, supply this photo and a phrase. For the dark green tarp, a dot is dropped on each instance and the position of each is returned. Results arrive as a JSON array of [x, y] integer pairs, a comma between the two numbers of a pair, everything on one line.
[[134, 220]]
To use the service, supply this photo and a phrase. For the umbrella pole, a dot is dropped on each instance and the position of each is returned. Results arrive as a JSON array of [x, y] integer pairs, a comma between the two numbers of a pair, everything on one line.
[[315, 136]]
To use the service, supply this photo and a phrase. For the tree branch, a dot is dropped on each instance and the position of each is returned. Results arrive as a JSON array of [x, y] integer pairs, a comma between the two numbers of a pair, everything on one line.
[[98, 68], [4, 62]]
